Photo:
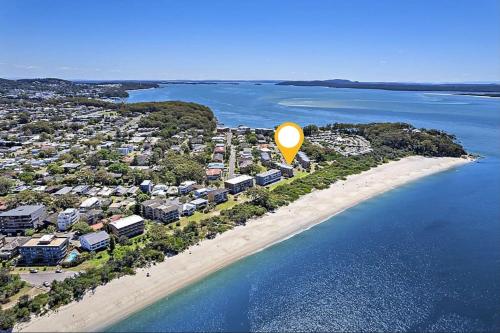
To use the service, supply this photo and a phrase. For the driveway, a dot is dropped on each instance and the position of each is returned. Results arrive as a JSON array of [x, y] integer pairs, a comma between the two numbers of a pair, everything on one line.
[[232, 157]]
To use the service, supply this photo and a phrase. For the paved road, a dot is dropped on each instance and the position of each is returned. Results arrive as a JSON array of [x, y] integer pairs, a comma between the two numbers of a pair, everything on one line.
[[232, 156], [37, 279]]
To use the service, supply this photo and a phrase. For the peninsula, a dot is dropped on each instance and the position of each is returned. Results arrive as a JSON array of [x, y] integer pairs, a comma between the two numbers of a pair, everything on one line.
[[400, 86], [93, 193]]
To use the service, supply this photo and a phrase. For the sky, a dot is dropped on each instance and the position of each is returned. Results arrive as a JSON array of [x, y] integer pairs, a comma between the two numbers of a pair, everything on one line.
[[371, 40]]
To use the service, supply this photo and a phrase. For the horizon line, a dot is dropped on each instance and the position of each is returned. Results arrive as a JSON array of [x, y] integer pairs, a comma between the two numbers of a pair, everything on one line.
[[249, 80]]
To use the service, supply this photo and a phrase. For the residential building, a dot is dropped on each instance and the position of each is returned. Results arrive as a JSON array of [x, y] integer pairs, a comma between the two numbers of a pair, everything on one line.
[[201, 192], [214, 165], [93, 215], [268, 177], [125, 150], [286, 170], [128, 226], [244, 164], [94, 241], [213, 174], [45, 250], [186, 187], [303, 160], [218, 157], [199, 203], [265, 158], [89, 204], [160, 210], [218, 196], [10, 248], [65, 190], [264, 130], [19, 219], [238, 184], [146, 186], [188, 209], [80, 189], [67, 218], [70, 166]]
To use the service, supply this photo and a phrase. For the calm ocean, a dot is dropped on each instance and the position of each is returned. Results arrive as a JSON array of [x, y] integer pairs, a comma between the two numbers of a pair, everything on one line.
[[423, 257]]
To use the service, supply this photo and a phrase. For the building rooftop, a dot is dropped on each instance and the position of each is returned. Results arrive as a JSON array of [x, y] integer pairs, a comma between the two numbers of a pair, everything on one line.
[[51, 240], [126, 221], [219, 190], [23, 210], [239, 179], [268, 173], [198, 201], [95, 237], [89, 202]]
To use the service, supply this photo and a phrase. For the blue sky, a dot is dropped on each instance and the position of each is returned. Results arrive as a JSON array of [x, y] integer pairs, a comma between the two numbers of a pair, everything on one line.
[[377, 40]]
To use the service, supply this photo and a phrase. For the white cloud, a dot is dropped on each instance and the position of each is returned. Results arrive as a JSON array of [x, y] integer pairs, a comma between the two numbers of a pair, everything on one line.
[[26, 66]]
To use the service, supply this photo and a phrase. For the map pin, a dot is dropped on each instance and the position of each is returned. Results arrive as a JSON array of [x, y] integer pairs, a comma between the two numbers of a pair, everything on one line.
[[289, 138]]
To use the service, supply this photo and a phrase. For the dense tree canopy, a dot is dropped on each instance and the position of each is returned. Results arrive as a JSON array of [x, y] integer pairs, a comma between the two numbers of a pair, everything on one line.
[[173, 117]]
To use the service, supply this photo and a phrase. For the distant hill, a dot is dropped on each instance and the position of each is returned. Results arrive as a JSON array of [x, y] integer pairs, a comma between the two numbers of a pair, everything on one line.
[[103, 89], [453, 87]]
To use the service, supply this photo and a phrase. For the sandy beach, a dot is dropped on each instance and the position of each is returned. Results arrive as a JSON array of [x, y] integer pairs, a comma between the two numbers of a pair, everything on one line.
[[126, 295]]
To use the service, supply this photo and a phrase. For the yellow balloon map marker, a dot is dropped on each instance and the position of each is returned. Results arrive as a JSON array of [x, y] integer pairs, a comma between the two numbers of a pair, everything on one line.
[[289, 137]]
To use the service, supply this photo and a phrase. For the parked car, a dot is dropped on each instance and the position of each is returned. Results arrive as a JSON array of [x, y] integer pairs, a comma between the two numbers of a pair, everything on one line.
[[46, 284], [32, 270]]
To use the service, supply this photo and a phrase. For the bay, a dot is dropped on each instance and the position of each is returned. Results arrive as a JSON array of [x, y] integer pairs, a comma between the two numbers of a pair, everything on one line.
[[423, 257]]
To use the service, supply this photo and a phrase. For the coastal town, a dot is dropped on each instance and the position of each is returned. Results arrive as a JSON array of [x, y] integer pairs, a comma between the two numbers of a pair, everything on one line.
[[93, 188], [80, 181]]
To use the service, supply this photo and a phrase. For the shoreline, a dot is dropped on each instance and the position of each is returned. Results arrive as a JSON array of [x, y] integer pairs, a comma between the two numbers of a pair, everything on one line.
[[127, 295]]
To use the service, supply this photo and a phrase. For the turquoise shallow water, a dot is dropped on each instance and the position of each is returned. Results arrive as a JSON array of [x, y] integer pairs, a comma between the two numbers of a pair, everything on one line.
[[423, 257]]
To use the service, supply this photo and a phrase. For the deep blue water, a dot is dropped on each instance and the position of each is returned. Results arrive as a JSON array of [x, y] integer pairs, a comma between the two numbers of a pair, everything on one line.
[[423, 257]]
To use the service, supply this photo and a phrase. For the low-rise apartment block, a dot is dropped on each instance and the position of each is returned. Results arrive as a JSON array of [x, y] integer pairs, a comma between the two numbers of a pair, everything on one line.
[[268, 177], [45, 250], [286, 170], [128, 226], [67, 218], [19, 219], [218, 196], [303, 159], [160, 210], [238, 184], [94, 241]]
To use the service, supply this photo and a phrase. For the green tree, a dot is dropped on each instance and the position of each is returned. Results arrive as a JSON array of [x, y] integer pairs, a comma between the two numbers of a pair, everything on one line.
[[27, 177], [6, 185], [67, 201], [81, 228], [55, 169]]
